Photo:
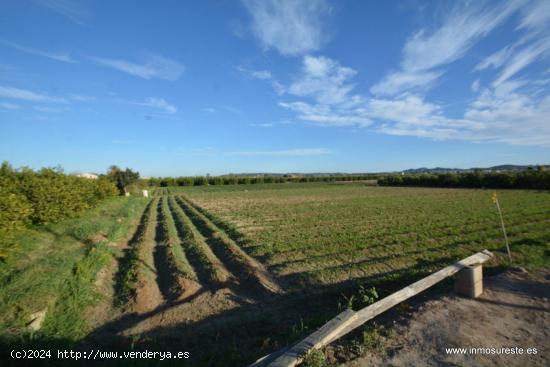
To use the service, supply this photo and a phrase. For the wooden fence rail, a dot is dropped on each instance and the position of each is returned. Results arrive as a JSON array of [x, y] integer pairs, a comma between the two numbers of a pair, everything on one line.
[[349, 320]]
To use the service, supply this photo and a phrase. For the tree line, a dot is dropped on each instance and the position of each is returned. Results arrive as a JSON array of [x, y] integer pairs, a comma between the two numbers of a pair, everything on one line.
[[249, 180], [538, 179]]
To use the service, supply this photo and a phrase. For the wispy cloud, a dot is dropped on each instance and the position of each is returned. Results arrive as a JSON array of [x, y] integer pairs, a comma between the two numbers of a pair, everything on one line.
[[298, 152], [27, 95], [496, 59], [151, 66], [49, 109], [232, 109], [524, 57], [81, 98], [75, 10], [265, 125], [9, 106], [326, 115], [63, 56], [426, 51], [535, 16], [158, 103], [292, 27], [262, 75]]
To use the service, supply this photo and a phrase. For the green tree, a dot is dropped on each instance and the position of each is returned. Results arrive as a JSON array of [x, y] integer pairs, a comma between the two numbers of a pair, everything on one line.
[[122, 178]]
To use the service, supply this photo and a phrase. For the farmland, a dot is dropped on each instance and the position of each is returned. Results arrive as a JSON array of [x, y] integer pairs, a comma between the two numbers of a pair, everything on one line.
[[233, 272], [319, 234]]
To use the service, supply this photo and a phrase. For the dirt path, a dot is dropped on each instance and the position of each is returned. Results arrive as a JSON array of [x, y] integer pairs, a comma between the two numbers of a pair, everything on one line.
[[514, 311]]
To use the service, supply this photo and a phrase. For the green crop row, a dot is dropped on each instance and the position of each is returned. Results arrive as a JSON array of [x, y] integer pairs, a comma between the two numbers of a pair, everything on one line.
[[174, 246], [196, 246]]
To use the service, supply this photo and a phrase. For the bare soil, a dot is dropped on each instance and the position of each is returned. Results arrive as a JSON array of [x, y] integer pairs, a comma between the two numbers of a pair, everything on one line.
[[513, 311]]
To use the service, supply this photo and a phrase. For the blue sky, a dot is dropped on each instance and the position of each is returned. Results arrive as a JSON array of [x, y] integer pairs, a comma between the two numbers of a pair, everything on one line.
[[196, 87]]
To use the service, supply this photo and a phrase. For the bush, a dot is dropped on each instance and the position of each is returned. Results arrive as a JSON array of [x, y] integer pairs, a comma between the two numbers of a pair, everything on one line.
[[45, 196]]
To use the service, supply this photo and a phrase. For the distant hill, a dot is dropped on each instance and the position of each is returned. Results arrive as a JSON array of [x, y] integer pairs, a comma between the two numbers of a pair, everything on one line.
[[501, 168]]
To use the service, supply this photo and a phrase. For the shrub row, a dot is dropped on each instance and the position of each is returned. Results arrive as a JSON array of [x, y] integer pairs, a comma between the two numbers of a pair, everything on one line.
[[529, 179], [246, 180], [45, 196]]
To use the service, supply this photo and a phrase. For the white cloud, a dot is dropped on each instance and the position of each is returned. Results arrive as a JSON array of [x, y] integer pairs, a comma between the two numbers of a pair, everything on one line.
[[81, 98], [77, 11], [535, 16], [529, 54], [326, 115], [298, 152], [499, 114], [397, 82], [263, 75], [266, 125], [151, 66], [409, 110], [475, 85], [292, 27], [27, 95], [324, 79], [495, 60], [9, 106], [64, 56], [158, 103], [427, 50], [232, 109], [49, 109]]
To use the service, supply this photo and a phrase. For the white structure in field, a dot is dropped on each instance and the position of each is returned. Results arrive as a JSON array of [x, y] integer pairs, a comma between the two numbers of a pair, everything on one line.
[[126, 193], [88, 175], [145, 193]]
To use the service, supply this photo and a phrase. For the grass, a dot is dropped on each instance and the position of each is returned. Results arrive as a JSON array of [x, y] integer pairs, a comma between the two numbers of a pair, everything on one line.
[[54, 267]]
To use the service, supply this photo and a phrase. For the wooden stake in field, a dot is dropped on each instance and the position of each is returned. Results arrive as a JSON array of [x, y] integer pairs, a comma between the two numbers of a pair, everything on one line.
[[495, 200]]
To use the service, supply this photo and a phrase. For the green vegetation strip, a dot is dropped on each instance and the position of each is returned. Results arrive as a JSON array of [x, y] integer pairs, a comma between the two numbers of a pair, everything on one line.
[[131, 264], [174, 247], [246, 263], [196, 246], [54, 268]]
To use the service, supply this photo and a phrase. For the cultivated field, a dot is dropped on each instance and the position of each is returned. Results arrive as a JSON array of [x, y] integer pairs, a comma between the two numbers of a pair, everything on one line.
[[310, 234], [231, 273]]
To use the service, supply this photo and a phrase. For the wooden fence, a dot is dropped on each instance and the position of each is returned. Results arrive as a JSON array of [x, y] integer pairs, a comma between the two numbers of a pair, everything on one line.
[[349, 320]]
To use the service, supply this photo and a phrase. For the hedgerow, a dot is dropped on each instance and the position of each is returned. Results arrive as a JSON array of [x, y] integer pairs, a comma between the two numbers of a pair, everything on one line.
[[247, 180], [45, 196], [528, 179]]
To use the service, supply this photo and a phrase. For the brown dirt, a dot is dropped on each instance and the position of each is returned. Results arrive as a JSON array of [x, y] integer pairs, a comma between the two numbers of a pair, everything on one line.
[[513, 311]]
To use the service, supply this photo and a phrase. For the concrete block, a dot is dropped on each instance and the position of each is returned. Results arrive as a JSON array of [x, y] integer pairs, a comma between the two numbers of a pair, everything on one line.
[[469, 281]]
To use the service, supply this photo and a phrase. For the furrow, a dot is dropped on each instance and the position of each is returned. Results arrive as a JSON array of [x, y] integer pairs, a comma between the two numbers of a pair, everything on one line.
[[208, 267], [236, 260]]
